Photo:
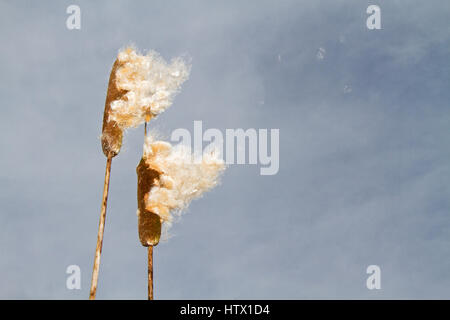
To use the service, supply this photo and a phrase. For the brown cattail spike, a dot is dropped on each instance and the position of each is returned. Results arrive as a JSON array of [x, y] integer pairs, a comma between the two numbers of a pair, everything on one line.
[[149, 222], [111, 133]]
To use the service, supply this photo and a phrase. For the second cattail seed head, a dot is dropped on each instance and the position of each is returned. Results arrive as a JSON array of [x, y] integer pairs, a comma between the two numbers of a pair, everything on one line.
[[169, 178]]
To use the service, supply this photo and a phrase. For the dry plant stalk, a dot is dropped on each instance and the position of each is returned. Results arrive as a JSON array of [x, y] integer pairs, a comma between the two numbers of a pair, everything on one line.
[[150, 272], [111, 143], [101, 228]]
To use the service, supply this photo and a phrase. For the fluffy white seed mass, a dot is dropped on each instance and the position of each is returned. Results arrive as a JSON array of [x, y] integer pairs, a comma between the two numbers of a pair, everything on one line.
[[183, 178], [151, 84]]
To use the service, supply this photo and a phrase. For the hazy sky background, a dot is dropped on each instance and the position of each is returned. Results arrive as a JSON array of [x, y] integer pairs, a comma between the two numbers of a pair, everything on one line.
[[364, 149]]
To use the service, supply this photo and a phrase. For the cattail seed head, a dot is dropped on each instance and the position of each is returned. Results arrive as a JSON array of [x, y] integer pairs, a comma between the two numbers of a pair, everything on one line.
[[169, 178], [150, 84], [149, 223], [140, 87], [111, 133]]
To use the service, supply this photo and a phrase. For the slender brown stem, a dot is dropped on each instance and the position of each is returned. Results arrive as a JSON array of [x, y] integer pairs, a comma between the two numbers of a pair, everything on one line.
[[150, 254], [150, 272], [101, 229]]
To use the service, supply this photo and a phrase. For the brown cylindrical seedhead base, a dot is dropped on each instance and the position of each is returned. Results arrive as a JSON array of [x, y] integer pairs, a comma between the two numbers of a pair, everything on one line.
[[149, 222], [111, 133]]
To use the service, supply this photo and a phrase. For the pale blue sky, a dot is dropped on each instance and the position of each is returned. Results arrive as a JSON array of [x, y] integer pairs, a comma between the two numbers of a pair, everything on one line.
[[364, 149]]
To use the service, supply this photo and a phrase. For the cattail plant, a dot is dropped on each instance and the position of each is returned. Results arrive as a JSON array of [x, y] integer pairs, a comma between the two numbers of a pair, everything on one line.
[[169, 178], [140, 87]]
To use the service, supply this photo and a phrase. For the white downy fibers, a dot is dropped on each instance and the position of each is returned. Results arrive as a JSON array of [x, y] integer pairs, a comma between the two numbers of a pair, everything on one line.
[[183, 177], [151, 84]]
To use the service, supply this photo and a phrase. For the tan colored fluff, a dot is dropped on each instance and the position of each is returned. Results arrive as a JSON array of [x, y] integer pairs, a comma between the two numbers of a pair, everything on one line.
[[182, 177], [150, 84], [140, 87]]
